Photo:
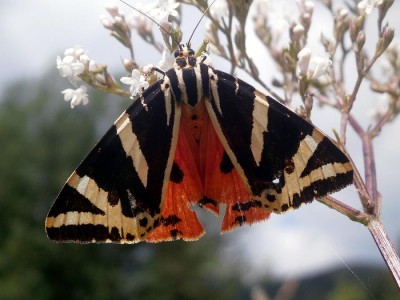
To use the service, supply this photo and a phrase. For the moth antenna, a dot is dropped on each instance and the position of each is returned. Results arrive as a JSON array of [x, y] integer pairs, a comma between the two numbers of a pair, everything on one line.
[[198, 23], [154, 21]]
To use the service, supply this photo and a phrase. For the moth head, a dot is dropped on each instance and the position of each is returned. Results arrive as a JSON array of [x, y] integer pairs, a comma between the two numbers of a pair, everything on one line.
[[184, 56]]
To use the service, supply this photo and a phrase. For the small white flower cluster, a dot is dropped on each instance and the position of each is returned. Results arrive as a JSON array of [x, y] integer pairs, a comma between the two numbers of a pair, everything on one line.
[[73, 64], [76, 61], [312, 67], [137, 81], [165, 9]]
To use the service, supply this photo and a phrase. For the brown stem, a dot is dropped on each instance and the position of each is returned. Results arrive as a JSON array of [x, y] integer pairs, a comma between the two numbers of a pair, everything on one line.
[[352, 98], [368, 192], [381, 122], [386, 248], [370, 170], [350, 212]]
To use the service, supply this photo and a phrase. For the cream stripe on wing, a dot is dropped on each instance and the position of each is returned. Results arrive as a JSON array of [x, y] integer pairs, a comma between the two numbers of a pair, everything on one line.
[[131, 146], [304, 152], [260, 123], [166, 88], [214, 89], [199, 83]]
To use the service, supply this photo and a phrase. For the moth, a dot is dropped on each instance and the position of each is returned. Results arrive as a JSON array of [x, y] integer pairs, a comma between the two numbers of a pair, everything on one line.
[[198, 136]]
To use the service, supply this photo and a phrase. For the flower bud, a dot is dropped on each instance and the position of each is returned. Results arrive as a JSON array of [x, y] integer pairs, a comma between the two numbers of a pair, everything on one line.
[[298, 32], [129, 65], [384, 41], [360, 41], [107, 24], [112, 9], [355, 26], [304, 57]]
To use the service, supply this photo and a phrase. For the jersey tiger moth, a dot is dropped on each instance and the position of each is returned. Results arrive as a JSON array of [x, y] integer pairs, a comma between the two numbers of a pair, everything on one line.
[[198, 136]]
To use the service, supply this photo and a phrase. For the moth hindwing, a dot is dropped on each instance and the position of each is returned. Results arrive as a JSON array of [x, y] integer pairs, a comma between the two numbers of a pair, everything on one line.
[[202, 137]]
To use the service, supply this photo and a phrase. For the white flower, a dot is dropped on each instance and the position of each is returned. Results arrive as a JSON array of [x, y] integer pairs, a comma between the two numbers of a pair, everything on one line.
[[75, 52], [318, 66], [312, 67], [137, 82], [366, 6], [165, 9], [77, 96], [167, 61], [73, 63], [219, 9], [70, 68]]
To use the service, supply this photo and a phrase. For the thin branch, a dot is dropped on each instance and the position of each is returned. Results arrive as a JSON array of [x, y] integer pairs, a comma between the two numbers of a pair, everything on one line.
[[352, 213], [368, 191], [386, 248], [385, 118], [370, 170]]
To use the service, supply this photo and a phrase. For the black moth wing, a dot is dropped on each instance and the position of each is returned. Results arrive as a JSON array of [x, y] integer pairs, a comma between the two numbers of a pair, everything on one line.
[[283, 159], [116, 194]]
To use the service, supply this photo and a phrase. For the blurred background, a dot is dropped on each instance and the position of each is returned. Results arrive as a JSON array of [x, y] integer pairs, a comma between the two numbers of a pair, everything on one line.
[[311, 253]]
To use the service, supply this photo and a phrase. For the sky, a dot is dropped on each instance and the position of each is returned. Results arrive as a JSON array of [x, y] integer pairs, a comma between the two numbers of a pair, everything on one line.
[[310, 239]]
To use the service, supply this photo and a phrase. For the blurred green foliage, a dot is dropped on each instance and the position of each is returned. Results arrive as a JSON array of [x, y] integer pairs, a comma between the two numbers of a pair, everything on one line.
[[41, 141]]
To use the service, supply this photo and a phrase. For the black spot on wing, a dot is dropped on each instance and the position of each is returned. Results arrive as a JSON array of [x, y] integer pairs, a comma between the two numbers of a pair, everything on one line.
[[143, 222], [175, 234], [271, 198], [176, 175], [130, 237], [226, 165], [289, 166], [70, 200], [113, 198], [170, 220], [240, 220], [244, 206], [284, 207]]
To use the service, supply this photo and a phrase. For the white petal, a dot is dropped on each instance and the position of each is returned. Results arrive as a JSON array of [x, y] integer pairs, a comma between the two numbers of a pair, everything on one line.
[[304, 60], [320, 66], [126, 80], [135, 74]]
